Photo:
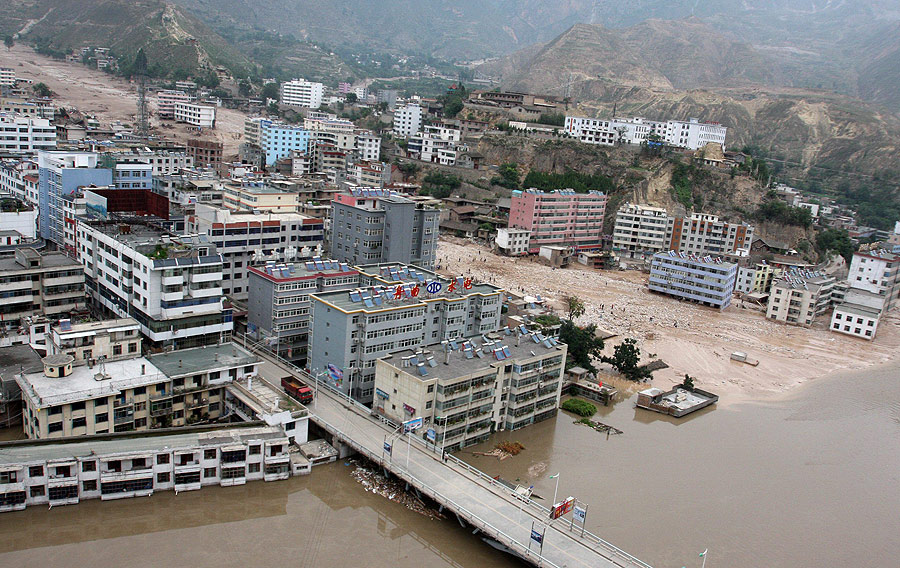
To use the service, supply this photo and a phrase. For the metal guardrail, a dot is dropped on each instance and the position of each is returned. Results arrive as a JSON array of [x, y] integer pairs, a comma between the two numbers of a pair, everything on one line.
[[427, 446]]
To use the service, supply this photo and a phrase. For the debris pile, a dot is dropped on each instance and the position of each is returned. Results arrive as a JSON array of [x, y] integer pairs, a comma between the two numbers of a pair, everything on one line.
[[503, 450], [390, 488]]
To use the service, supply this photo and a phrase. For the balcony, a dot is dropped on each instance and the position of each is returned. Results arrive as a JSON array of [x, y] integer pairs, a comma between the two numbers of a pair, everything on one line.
[[157, 412], [189, 404], [123, 402], [123, 419], [162, 395]]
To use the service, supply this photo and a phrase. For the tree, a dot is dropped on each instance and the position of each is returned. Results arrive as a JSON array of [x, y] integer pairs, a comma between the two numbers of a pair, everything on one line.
[[351, 98], [509, 176], [42, 90], [688, 383], [270, 91], [584, 345], [9, 42], [574, 307], [244, 88], [837, 240], [408, 169], [625, 359]]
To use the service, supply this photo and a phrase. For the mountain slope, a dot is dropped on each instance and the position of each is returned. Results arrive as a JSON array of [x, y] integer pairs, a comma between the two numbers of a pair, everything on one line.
[[176, 43]]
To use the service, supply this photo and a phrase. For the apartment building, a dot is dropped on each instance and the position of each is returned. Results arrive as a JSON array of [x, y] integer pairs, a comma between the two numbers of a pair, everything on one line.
[[279, 304], [63, 173], [302, 93], [560, 217], [131, 175], [799, 299], [512, 241], [258, 197], [201, 116], [375, 225], [858, 314], [691, 134], [756, 278], [166, 100], [368, 146], [435, 143], [12, 179], [254, 398], [139, 393], [18, 217], [368, 174], [7, 77], [172, 285], [104, 340], [277, 140], [466, 390], [26, 107], [205, 153], [877, 272], [407, 120], [640, 230], [398, 307], [32, 284], [162, 161], [242, 236], [104, 467], [190, 186], [25, 134], [705, 280]]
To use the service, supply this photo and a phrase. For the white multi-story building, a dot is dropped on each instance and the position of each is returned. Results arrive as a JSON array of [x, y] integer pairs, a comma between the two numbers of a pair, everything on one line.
[[104, 340], [7, 77], [302, 93], [691, 134], [799, 300], [201, 116], [12, 179], [166, 100], [368, 146], [242, 235], [407, 120], [25, 134], [106, 468], [859, 313], [171, 285], [877, 272], [512, 241], [435, 143], [641, 229]]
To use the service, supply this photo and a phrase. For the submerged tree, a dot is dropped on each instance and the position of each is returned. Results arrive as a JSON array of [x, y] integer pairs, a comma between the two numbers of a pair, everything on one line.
[[625, 359]]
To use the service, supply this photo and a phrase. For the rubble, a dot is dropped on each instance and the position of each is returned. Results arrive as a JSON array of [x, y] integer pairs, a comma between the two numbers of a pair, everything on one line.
[[390, 488], [687, 336]]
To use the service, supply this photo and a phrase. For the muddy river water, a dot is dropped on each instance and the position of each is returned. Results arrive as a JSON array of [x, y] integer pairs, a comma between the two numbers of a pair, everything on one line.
[[812, 480]]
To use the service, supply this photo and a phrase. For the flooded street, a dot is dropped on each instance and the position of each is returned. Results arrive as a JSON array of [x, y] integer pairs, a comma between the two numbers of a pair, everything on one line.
[[326, 519], [809, 481]]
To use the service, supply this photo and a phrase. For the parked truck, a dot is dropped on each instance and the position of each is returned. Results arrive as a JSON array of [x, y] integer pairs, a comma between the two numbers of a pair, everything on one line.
[[297, 389]]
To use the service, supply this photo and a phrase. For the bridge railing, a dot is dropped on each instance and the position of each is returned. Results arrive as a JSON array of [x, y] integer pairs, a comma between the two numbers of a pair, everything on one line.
[[427, 446], [472, 518]]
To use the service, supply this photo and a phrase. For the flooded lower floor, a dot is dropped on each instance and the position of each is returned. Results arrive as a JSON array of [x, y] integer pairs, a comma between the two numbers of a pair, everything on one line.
[[809, 481]]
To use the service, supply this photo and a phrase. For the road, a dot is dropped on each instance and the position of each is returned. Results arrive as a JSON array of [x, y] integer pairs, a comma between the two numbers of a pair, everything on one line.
[[476, 498]]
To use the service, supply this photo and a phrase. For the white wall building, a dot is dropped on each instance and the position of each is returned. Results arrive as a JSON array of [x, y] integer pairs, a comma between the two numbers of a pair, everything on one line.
[[201, 116], [858, 315], [877, 272], [641, 229], [24, 134], [302, 93], [691, 134], [165, 101], [407, 120], [512, 241], [7, 77], [368, 146]]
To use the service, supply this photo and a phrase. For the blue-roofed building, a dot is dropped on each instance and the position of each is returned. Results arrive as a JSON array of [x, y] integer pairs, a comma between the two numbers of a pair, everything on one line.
[[705, 280]]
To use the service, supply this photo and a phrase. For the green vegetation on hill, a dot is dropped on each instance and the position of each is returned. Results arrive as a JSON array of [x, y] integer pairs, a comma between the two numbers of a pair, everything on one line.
[[438, 184], [580, 182], [774, 209]]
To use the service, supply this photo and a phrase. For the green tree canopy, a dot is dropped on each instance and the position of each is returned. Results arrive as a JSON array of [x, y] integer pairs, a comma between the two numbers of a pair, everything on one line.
[[625, 359], [9, 42], [270, 91], [42, 90], [574, 307], [837, 240], [584, 345]]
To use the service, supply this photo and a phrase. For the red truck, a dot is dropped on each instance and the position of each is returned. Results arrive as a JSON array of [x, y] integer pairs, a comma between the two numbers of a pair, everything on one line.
[[297, 389]]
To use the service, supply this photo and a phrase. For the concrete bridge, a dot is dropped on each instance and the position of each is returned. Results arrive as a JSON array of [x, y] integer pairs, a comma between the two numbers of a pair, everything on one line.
[[476, 499]]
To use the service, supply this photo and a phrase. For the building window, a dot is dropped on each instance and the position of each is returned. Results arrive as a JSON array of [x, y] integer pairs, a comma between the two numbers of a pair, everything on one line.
[[89, 485], [209, 472], [55, 427], [162, 477], [162, 459], [254, 450], [79, 423], [89, 466], [209, 454], [36, 471], [38, 491], [253, 468]]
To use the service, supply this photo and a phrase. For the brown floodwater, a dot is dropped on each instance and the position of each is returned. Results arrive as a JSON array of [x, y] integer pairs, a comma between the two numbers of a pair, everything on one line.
[[809, 481]]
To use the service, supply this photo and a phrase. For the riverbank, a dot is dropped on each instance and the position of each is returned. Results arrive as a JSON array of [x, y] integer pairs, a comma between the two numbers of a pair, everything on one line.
[[700, 345]]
